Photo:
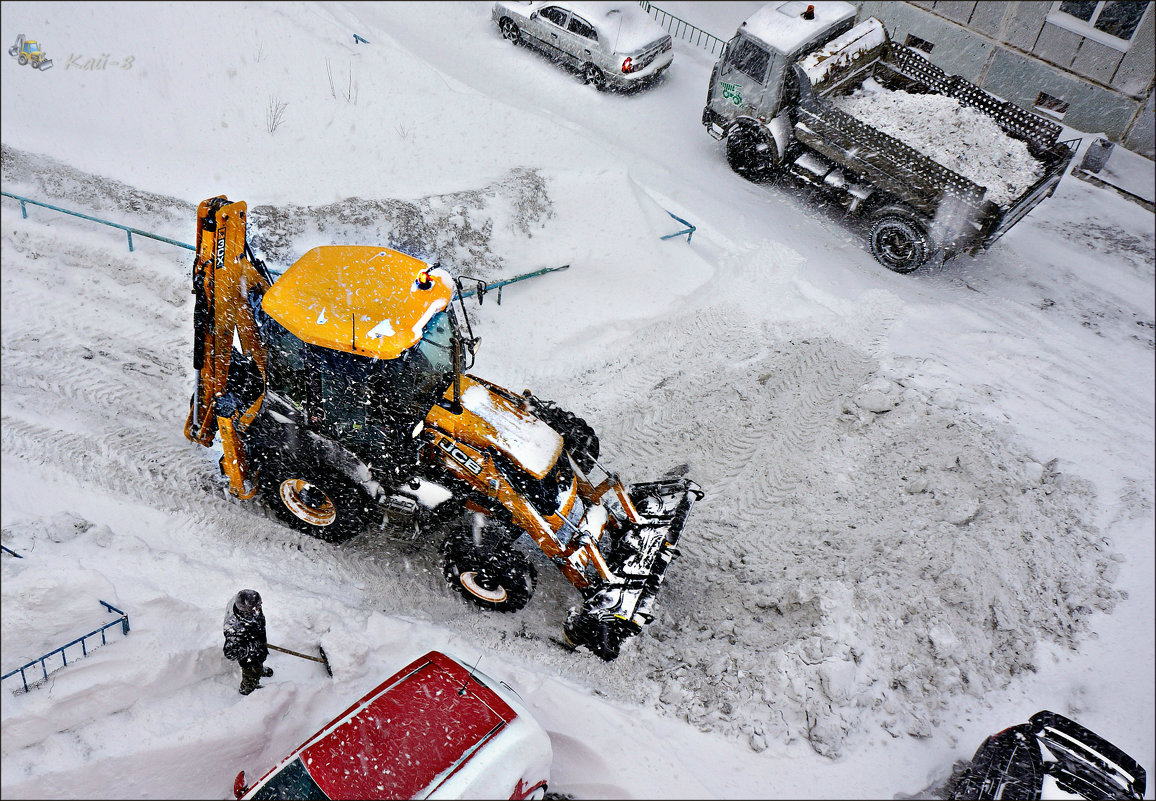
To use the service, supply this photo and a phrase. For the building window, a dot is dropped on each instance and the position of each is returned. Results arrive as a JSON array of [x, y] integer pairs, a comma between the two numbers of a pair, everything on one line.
[[1109, 22], [1051, 106], [919, 44]]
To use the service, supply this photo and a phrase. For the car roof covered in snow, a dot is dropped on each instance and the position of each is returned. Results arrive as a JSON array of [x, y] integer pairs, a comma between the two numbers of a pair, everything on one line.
[[624, 26], [358, 299], [783, 26]]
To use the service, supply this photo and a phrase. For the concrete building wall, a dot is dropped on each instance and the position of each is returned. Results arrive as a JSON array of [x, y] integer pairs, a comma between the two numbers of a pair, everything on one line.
[[1011, 49]]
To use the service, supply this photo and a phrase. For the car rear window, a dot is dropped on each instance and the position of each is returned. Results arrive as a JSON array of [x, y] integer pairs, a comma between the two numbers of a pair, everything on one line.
[[582, 28], [291, 783]]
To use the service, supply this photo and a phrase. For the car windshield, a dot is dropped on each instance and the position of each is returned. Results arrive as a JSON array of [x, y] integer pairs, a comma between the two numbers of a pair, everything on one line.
[[292, 782]]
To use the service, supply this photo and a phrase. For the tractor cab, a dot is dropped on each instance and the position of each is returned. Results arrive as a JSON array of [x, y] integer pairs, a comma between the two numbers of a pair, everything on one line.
[[362, 342]]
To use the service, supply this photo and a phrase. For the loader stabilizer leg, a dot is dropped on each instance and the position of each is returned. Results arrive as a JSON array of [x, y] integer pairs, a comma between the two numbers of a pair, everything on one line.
[[225, 282]]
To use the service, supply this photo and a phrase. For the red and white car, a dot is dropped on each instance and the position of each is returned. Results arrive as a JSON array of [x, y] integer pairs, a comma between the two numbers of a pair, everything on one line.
[[435, 729]]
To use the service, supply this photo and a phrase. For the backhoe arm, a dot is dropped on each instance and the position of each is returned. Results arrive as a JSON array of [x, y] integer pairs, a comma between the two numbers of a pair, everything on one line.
[[223, 278]]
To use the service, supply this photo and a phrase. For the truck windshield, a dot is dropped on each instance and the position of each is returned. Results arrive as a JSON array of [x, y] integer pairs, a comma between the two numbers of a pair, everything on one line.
[[748, 58]]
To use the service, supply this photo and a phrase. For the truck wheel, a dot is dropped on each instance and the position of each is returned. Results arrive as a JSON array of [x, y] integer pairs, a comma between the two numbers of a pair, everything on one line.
[[591, 74], [510, 30], [22, 59], [593, 630], [750, 153], [898, 243], [501, 581], [314, 501]]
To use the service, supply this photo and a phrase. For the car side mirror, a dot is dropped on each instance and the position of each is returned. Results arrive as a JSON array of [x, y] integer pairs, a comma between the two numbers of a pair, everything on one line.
[[533, 15]]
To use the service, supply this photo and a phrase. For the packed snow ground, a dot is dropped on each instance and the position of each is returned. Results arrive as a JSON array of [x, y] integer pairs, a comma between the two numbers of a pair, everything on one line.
[[929, 497]]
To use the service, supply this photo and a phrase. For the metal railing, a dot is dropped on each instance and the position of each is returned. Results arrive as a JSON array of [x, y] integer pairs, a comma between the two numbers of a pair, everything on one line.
[[680, 28], [9, 550], [128, 230], [506, 282], [122, 622], [689, 230]]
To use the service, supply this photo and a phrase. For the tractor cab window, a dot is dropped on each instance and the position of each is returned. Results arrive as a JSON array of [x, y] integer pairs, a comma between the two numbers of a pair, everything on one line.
[[437, 344]]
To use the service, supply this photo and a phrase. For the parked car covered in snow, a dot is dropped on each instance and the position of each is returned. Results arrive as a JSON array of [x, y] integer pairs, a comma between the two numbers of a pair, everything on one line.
[[1050, 756], [435, 729], [613, 45]]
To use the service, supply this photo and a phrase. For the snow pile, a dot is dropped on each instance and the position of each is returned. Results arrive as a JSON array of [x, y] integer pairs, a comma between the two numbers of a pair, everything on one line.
[[958, 137], [863, 556]]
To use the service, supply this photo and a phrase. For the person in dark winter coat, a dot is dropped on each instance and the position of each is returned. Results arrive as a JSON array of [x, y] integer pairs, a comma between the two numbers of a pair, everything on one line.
[[245, 640]]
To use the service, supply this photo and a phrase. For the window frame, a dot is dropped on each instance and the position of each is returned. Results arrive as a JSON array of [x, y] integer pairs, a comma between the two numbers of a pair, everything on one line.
[[1062, 19], [732, 59], [593, 37], [566, 19]]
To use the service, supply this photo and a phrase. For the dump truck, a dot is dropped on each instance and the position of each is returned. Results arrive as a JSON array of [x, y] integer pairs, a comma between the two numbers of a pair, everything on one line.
[[339, 394], [778, 97]]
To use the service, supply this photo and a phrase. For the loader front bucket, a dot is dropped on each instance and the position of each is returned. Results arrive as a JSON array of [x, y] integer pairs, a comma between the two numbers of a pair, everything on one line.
[[620, 610]]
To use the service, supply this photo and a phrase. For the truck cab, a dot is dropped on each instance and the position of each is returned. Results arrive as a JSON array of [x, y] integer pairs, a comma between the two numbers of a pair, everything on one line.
[[755, 72]]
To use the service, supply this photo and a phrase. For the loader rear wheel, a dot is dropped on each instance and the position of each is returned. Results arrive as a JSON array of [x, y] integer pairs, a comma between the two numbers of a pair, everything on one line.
[[594, 630], [501, 581], [314, 501], [898, 243], [22, 59]]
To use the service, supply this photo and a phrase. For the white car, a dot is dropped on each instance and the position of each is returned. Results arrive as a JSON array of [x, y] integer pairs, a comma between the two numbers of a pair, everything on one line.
[[613, 45]]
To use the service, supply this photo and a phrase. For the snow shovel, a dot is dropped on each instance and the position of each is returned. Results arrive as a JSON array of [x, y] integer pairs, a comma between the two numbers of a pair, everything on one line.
[[322, 659]]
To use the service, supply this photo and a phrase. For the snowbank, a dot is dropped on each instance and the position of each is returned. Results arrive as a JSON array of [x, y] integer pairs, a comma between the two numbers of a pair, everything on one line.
[[956, 136]]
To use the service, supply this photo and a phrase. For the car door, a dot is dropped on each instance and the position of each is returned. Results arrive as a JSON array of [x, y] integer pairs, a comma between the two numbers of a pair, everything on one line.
[[582, 42], [548, 26]]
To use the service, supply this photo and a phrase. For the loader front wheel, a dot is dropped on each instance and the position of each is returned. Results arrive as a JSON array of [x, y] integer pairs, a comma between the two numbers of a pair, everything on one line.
[[501, 581], [314, 501]]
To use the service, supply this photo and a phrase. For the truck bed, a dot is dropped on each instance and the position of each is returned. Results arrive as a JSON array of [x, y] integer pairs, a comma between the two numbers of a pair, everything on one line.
[[970, 221]]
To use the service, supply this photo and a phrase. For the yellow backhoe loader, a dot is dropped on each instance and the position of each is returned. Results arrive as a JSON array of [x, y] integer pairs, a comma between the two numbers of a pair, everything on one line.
[[340, 395]]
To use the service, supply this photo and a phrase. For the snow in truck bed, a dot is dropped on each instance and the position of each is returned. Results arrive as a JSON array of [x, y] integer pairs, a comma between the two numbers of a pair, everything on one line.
[[961, 138]]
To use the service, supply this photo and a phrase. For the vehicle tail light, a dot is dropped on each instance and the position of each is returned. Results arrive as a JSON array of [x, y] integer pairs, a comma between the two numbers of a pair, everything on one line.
[[239, 787], [626, 65]]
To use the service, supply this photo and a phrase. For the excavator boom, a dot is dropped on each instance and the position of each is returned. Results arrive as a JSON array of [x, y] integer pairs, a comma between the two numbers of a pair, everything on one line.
[[224, 278]]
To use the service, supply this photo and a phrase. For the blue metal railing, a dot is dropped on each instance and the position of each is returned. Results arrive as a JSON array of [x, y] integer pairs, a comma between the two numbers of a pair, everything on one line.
[[9, 550], [499, 284], [122, 622], [689, 231], [130, 231], [682, 29]]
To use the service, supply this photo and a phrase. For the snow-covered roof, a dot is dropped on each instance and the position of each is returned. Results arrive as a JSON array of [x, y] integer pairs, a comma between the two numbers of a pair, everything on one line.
[[783, 27], [844, 51], [623, 26]]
